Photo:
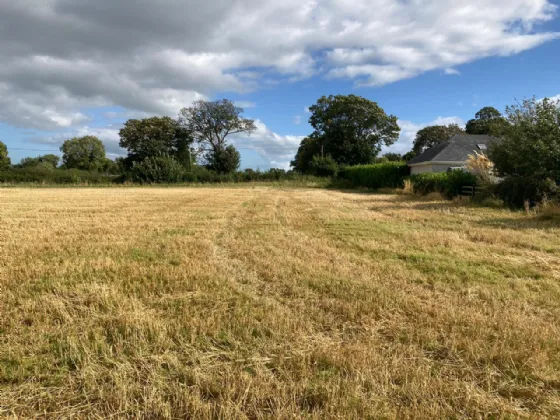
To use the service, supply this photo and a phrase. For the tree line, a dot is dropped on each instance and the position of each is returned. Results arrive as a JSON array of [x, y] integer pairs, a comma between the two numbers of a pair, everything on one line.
[[158, 148], [348, 130]]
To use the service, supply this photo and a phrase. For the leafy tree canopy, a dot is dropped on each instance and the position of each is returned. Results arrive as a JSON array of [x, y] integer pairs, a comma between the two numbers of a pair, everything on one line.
[[530, 143], [156, 136], [224, 160], [210, 123], [487, 121], [46, 161], [85, 153], [309, 147], [4, 159], [433, 135], [392, 157], [352, 129]]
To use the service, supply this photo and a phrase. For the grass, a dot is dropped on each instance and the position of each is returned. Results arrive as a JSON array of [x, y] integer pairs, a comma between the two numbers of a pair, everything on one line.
[[271, 302]]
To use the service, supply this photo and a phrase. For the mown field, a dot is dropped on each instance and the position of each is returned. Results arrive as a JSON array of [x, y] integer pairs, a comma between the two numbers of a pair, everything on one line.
[[274, 303]]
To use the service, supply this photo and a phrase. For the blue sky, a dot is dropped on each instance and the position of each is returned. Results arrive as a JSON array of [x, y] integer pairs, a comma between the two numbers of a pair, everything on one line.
[[87, 69]]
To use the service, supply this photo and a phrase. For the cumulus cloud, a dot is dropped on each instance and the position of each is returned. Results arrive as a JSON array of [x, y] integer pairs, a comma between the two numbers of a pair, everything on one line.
[[276, 149], [62, 56], [409, 129]]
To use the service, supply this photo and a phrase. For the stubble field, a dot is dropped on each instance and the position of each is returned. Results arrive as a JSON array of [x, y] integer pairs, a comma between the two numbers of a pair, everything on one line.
[[274, 303]]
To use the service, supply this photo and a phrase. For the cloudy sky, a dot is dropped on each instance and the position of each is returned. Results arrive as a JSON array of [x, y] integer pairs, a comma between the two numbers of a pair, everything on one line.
[[75, 67]]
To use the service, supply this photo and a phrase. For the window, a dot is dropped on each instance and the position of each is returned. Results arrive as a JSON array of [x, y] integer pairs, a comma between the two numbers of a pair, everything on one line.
[[482, 146]]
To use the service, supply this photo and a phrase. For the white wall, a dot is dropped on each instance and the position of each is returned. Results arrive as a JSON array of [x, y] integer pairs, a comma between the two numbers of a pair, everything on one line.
[[420, 169], [441, 168], [434, 167]]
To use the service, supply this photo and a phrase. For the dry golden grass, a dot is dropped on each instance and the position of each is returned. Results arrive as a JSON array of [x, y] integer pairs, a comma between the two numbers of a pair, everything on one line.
[[274, 303]]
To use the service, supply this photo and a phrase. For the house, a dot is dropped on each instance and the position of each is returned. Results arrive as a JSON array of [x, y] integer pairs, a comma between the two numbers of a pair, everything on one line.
[[452, 153]]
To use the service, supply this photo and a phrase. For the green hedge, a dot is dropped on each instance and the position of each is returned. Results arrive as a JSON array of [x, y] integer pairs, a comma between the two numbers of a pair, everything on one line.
[[450, 184], [155, 171], [379, 175], [53, 176]]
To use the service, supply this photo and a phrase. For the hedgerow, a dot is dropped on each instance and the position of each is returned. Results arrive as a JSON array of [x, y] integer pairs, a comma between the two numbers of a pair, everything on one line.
[[449, 184], [379, 175]]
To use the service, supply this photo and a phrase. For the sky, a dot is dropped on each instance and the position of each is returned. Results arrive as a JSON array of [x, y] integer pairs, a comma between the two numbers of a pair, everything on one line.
[[81, 67]]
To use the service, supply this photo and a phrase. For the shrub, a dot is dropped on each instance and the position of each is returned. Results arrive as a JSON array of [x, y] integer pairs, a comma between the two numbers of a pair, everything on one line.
[[323, 166], [450, 184], [157, 169], [379, 175], [516, 191]]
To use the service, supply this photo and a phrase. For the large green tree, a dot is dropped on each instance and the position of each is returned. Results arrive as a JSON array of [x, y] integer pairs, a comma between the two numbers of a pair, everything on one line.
[[351, 129], [211, 123], [308, 148], [86, 153], [4, 159], [487, 121], [156, 136], [433, 135], [530, 143]]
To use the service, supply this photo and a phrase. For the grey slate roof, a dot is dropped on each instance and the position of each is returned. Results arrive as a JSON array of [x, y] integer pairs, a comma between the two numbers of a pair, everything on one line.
[[456, 149]]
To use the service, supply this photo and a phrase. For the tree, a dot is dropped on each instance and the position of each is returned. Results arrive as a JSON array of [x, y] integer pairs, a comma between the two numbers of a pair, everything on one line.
[[393, 157], [433, 135], [110, 167], [157, 168], [49, 161], [309, 147], [210, 124], [5, 161], [487, 121], [224, 160], [409, 155], [530, 143], [156, 136], [323, 166], [352, 129], [86, 153]]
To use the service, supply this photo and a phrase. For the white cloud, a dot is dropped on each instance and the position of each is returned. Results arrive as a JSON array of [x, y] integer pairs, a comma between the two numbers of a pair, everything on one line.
[[297, 120], [553, 98], [276, 149], [451, 72], [155, 57], [408, 133], [108, 135]]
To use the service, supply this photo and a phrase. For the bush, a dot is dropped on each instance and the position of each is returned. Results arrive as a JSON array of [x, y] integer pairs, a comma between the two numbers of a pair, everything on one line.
[[515, 191], [379, 175], [163, 169], [449, 184], [323, 166]]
